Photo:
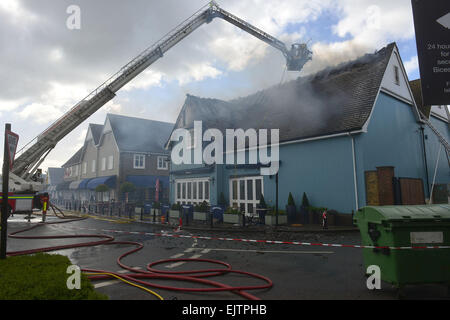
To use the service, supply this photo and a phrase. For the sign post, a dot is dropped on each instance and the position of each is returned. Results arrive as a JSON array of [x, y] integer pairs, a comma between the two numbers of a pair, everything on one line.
[[10, 147], [432, 25]]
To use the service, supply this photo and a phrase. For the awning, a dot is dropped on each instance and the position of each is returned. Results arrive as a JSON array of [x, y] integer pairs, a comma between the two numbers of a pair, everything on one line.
[[110, 181], [147, 181], [83, 184], [63, 186], [74, 185]]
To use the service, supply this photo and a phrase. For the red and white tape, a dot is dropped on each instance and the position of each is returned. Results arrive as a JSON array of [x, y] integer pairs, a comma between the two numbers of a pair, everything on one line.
[[163, 234]]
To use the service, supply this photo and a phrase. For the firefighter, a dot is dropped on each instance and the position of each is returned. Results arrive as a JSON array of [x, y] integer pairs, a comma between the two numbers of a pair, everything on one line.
[[324, 219]]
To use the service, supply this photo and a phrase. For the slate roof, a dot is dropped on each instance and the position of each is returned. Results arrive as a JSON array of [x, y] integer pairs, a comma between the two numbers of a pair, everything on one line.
[[140, 135], [335, 100], [75, 159], [96, 130]]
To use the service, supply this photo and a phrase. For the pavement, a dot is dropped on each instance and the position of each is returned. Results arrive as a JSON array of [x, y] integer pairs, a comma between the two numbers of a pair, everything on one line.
[[297, 272], [194, 225]]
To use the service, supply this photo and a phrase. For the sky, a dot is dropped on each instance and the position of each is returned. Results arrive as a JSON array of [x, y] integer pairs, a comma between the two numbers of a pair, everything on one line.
[[46, 67]]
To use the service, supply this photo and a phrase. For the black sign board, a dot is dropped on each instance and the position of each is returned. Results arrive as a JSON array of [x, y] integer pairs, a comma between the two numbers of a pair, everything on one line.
[[432, 24]]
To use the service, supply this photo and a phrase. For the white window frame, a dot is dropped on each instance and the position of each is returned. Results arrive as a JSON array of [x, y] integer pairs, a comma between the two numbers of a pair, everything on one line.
[[103, 163], [110, 162], [245, 201], [165, 163], [94, 165], [84, 168], [143, 161], [188, 198]]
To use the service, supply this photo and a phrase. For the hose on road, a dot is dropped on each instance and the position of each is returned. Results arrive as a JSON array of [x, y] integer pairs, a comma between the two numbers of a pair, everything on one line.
[[135, 277]]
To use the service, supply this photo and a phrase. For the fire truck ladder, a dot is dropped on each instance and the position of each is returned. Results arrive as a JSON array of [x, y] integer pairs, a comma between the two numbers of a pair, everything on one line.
[[33, 154], [438, 135]]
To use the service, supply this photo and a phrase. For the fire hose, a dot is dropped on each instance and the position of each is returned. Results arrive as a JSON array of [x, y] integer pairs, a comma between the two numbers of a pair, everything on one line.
[[136, 277]]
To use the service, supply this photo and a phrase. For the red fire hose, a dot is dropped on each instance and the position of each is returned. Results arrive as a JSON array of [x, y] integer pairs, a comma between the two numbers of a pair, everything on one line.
[[195, 276]]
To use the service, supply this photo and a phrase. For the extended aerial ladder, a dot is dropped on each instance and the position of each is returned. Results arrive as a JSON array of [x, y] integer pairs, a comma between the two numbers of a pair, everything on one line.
[[31, 156]]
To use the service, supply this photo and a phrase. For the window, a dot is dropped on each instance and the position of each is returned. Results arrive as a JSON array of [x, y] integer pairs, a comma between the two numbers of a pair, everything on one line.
[[192, 191], [139, 161], [246, 193], [110, 162], [94, 163], [397, 76], [84, 167], [76, 171], [163, 164], [103, 164]]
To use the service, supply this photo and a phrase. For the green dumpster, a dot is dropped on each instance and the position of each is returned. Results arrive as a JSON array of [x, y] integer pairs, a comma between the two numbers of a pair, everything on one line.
[[414, 227]]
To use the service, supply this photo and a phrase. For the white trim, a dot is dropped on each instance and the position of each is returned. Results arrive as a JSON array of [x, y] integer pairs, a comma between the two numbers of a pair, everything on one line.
[[183, 197], [343, 134], [164, 161], [143, 161], [245, 202]]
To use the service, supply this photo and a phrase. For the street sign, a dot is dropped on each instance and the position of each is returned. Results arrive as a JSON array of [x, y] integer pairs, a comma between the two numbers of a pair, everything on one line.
[[12, 140], [432, 25]]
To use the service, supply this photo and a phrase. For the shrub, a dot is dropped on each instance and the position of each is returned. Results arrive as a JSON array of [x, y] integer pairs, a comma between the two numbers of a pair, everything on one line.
[[262, 203], [202, 207], [102, 188], [156, 205], [231, 210], [291, 201], [305, 201], [176, 206], [127, 187]]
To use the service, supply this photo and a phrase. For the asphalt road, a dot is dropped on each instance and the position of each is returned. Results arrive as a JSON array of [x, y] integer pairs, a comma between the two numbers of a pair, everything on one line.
[[297, 272]]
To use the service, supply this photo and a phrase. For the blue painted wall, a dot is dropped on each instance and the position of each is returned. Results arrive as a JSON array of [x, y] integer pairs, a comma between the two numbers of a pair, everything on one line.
[[324, 168]]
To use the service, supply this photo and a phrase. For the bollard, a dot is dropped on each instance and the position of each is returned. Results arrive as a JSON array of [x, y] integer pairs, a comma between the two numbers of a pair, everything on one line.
[[154, 215], [142, 213], [211, 217]]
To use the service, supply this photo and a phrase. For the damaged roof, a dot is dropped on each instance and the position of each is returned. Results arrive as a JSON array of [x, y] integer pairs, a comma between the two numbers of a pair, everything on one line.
[[335, 100]]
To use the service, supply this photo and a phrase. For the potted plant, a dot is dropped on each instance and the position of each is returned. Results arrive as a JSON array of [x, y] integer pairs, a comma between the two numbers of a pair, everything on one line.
[[126, 188], [261, 209], [101, 188], [271, 218], [304, 210], [200, 211], [291, 209], [231, 215], [222, 201]]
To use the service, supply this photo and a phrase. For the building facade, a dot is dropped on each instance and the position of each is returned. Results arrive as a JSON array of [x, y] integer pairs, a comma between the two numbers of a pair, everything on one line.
[[349, 136], [123, 149]]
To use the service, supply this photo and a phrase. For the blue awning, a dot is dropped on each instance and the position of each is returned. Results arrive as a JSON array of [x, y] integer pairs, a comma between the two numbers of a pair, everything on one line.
[[147, 181], [110, 181], [83, 184]]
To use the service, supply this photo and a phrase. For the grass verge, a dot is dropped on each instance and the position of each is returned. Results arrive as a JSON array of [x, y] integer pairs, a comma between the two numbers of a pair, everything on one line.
[[41, 277]]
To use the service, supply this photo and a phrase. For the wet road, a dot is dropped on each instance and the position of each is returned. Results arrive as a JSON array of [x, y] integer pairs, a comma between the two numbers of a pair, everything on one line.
[[297, 272]]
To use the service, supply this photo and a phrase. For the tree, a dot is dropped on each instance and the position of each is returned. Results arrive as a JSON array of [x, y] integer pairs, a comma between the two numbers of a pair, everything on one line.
[[126, 188], [102, 188]]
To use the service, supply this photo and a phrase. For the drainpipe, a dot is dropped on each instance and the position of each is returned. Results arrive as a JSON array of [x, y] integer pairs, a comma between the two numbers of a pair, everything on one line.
[[354, 171]]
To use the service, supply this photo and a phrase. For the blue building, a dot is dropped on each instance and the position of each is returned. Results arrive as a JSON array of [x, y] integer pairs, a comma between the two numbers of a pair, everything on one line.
[[349, 136]]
